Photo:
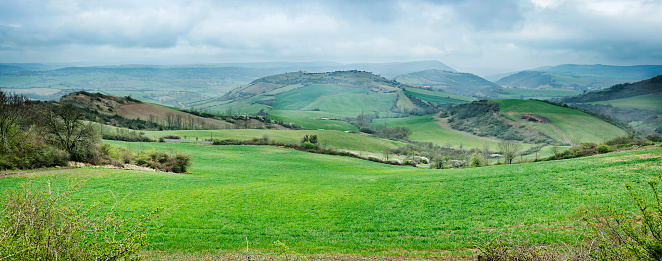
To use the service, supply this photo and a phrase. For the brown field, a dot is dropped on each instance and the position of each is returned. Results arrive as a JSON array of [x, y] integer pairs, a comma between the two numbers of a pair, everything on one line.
[[145, 111]]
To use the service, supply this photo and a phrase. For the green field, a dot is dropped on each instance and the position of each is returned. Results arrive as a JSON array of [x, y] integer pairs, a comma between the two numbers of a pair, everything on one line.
[[337, 205], [536, 93], [649, 101], [311, 120], [438, 97], [335, 139], [575, 124], [425, 128]]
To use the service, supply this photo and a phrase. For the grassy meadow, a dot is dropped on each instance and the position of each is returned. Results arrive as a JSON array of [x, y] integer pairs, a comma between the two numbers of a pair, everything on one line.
[[427, 129], [541, 94], [649, 101], [574, 124], [337, 205], [336, 139]]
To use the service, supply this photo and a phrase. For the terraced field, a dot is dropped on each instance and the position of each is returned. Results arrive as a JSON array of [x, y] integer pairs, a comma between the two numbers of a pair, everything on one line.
[[250, 195]]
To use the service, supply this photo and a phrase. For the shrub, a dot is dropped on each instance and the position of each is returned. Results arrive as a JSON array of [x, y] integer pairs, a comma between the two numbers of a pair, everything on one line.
[[308, 146], [476, 160], [602, 148], [172, 137], [654, 137], [39, 225], [163, 161]]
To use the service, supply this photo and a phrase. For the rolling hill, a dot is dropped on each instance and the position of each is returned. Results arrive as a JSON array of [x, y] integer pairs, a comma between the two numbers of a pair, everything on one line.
[[564, 124], [639, 103], [451, 82], [338, 94], [181, 86], [578, 77]]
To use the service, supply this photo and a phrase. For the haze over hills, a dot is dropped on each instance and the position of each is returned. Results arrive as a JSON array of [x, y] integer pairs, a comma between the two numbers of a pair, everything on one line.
[[452, 82], [173, 85], [578, 77]]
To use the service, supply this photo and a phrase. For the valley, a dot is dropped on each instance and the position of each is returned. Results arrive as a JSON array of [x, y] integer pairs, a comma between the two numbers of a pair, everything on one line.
[[341, 164]]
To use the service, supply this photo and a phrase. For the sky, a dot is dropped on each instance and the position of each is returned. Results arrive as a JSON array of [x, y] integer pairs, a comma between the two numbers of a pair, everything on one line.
[[469, 35]]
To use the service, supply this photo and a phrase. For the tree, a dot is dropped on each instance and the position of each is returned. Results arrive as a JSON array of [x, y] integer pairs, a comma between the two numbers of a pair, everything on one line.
[[71, 133], [12, 110], [509, 150]]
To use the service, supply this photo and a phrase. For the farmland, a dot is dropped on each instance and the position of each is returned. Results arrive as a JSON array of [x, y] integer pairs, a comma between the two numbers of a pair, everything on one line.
[[649, 101], [336, 205], [574, 124]]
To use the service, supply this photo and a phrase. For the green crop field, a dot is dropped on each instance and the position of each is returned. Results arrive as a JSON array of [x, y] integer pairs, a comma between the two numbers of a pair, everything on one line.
[[336, 139], [649, 101], [426, 128], [311, 120], [575, 124], [438, 97], [536, 94], [338, 205]]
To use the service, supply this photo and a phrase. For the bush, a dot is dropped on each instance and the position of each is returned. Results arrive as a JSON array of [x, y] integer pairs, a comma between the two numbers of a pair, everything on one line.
[[603, 148], [163, 161], [308, 146], [654, 137], [476, 160], [172, 137], [38, 225]]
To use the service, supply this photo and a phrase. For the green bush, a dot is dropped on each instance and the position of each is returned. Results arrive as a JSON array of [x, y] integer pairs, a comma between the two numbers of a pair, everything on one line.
[[169, 162], [603, 148], [171, 137], [39, 225], [308, 146], [476, 160]]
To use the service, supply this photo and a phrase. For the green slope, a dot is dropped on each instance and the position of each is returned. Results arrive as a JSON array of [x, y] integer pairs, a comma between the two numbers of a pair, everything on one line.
[[579, 77], [574, 124], [336, 139], [649, 101], [343, 93], [336, 205], [451, 82], [427, 129]]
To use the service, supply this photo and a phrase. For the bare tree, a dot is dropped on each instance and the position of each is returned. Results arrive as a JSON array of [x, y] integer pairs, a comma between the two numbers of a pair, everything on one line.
[[509, 149], [12, 110], [70, 132]]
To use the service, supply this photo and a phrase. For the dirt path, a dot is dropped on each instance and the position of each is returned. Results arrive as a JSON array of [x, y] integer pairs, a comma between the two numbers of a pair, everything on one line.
[[565, 138]]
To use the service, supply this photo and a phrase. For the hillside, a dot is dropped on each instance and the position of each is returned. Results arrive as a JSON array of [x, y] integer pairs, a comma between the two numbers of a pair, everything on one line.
[[638, 104], [181, 86], [338, 94], [130, 108], [620, 91], [451, 82], [530, 121], [564, 124], [578, 77]]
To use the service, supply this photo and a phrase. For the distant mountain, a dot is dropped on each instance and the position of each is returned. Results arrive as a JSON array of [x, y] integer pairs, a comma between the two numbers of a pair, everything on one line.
[[392, 70], [340, 93], [451, 82], [175, 85], [578, 77], [19, 67]]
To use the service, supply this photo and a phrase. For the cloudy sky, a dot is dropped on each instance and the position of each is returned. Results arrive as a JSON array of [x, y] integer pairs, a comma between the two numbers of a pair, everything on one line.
[[466, 34]]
